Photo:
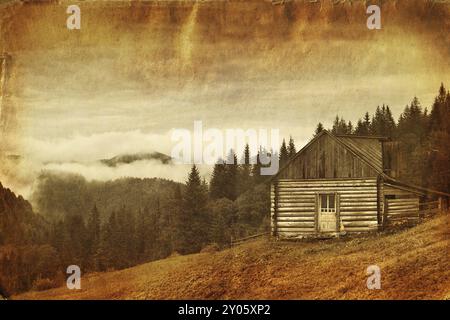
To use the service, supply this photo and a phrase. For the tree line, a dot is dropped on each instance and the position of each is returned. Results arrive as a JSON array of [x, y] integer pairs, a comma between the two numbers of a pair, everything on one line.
[[423, 136]]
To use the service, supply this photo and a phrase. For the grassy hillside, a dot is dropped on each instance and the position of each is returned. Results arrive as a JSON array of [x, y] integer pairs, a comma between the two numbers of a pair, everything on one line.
[[414, 265]]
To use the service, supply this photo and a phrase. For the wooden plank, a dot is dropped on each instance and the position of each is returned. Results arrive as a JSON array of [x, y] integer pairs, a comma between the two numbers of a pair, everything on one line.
[[346, 213], [295, 214], [403, 214], [295, 219], [359, 208], [293, 232], [350, 197], [359, 218], [309, 197], [403, 218], [361, 203], [361, 229], [395, 188], [295, 209], [402, 204], [296, 205], [309, 207], [327, 179], [404, 200], [329, 188], [359, 224], [312, 192], [358, 214], [399, 211], [405, 207], [295, 224], [296, 199]]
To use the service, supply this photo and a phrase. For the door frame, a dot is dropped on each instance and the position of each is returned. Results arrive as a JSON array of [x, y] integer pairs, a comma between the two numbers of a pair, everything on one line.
[[337, 213]]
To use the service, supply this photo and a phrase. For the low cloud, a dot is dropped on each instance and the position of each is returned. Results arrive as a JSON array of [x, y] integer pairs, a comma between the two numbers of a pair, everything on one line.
[[81, 154], [137, 169], [94, 147]]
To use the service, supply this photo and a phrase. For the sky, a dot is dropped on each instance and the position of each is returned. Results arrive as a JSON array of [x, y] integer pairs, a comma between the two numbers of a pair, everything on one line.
[[135, 72]]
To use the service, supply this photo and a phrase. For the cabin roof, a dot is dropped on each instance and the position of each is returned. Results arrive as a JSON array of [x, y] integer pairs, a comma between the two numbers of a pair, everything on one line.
[[414, 188], [363, 148]]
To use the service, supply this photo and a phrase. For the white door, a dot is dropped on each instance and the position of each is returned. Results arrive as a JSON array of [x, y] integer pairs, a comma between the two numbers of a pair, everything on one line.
[[327, 213]]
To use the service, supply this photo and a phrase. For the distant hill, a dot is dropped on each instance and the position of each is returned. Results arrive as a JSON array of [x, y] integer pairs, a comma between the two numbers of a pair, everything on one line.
[[413, 262], [130, 158]]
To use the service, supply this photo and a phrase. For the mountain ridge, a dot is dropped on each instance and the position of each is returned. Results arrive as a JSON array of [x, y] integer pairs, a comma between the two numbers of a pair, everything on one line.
[[130, 158]]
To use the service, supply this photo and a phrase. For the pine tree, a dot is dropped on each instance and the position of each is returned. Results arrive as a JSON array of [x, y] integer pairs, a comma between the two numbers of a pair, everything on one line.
[[319, 129], [335, 128], [291, 148], [438, 111], [256, 168], [218, 179], [390, 124], [349, 128], [244, 180], [231, 176], [284, 154], [412, 133], [359, 130], [195, 216], [363, 126], [377, 124], [94, 237], [413, 121], [342, 128]]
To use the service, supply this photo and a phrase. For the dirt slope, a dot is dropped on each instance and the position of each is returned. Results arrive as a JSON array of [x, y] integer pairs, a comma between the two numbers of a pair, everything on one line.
[[414, 265]]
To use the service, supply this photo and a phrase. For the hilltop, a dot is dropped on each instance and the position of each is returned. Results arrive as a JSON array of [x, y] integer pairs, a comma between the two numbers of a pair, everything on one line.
[[414, 265]]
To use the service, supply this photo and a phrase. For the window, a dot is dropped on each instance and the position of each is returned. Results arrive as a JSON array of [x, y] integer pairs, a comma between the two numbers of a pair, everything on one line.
[[327, 203]]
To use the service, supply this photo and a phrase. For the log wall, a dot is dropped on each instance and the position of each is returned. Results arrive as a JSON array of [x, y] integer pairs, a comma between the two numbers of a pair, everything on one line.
[[294, 206], [400, 206]]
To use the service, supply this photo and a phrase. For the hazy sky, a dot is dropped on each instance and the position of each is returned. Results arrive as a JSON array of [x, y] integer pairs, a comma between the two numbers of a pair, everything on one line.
[[133, 73]]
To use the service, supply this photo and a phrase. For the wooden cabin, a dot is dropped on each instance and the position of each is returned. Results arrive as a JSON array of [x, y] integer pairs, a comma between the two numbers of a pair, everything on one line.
[[338, 184]]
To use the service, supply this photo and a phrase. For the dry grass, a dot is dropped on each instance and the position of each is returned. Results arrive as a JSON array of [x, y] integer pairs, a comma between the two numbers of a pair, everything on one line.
[[414, 265]]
